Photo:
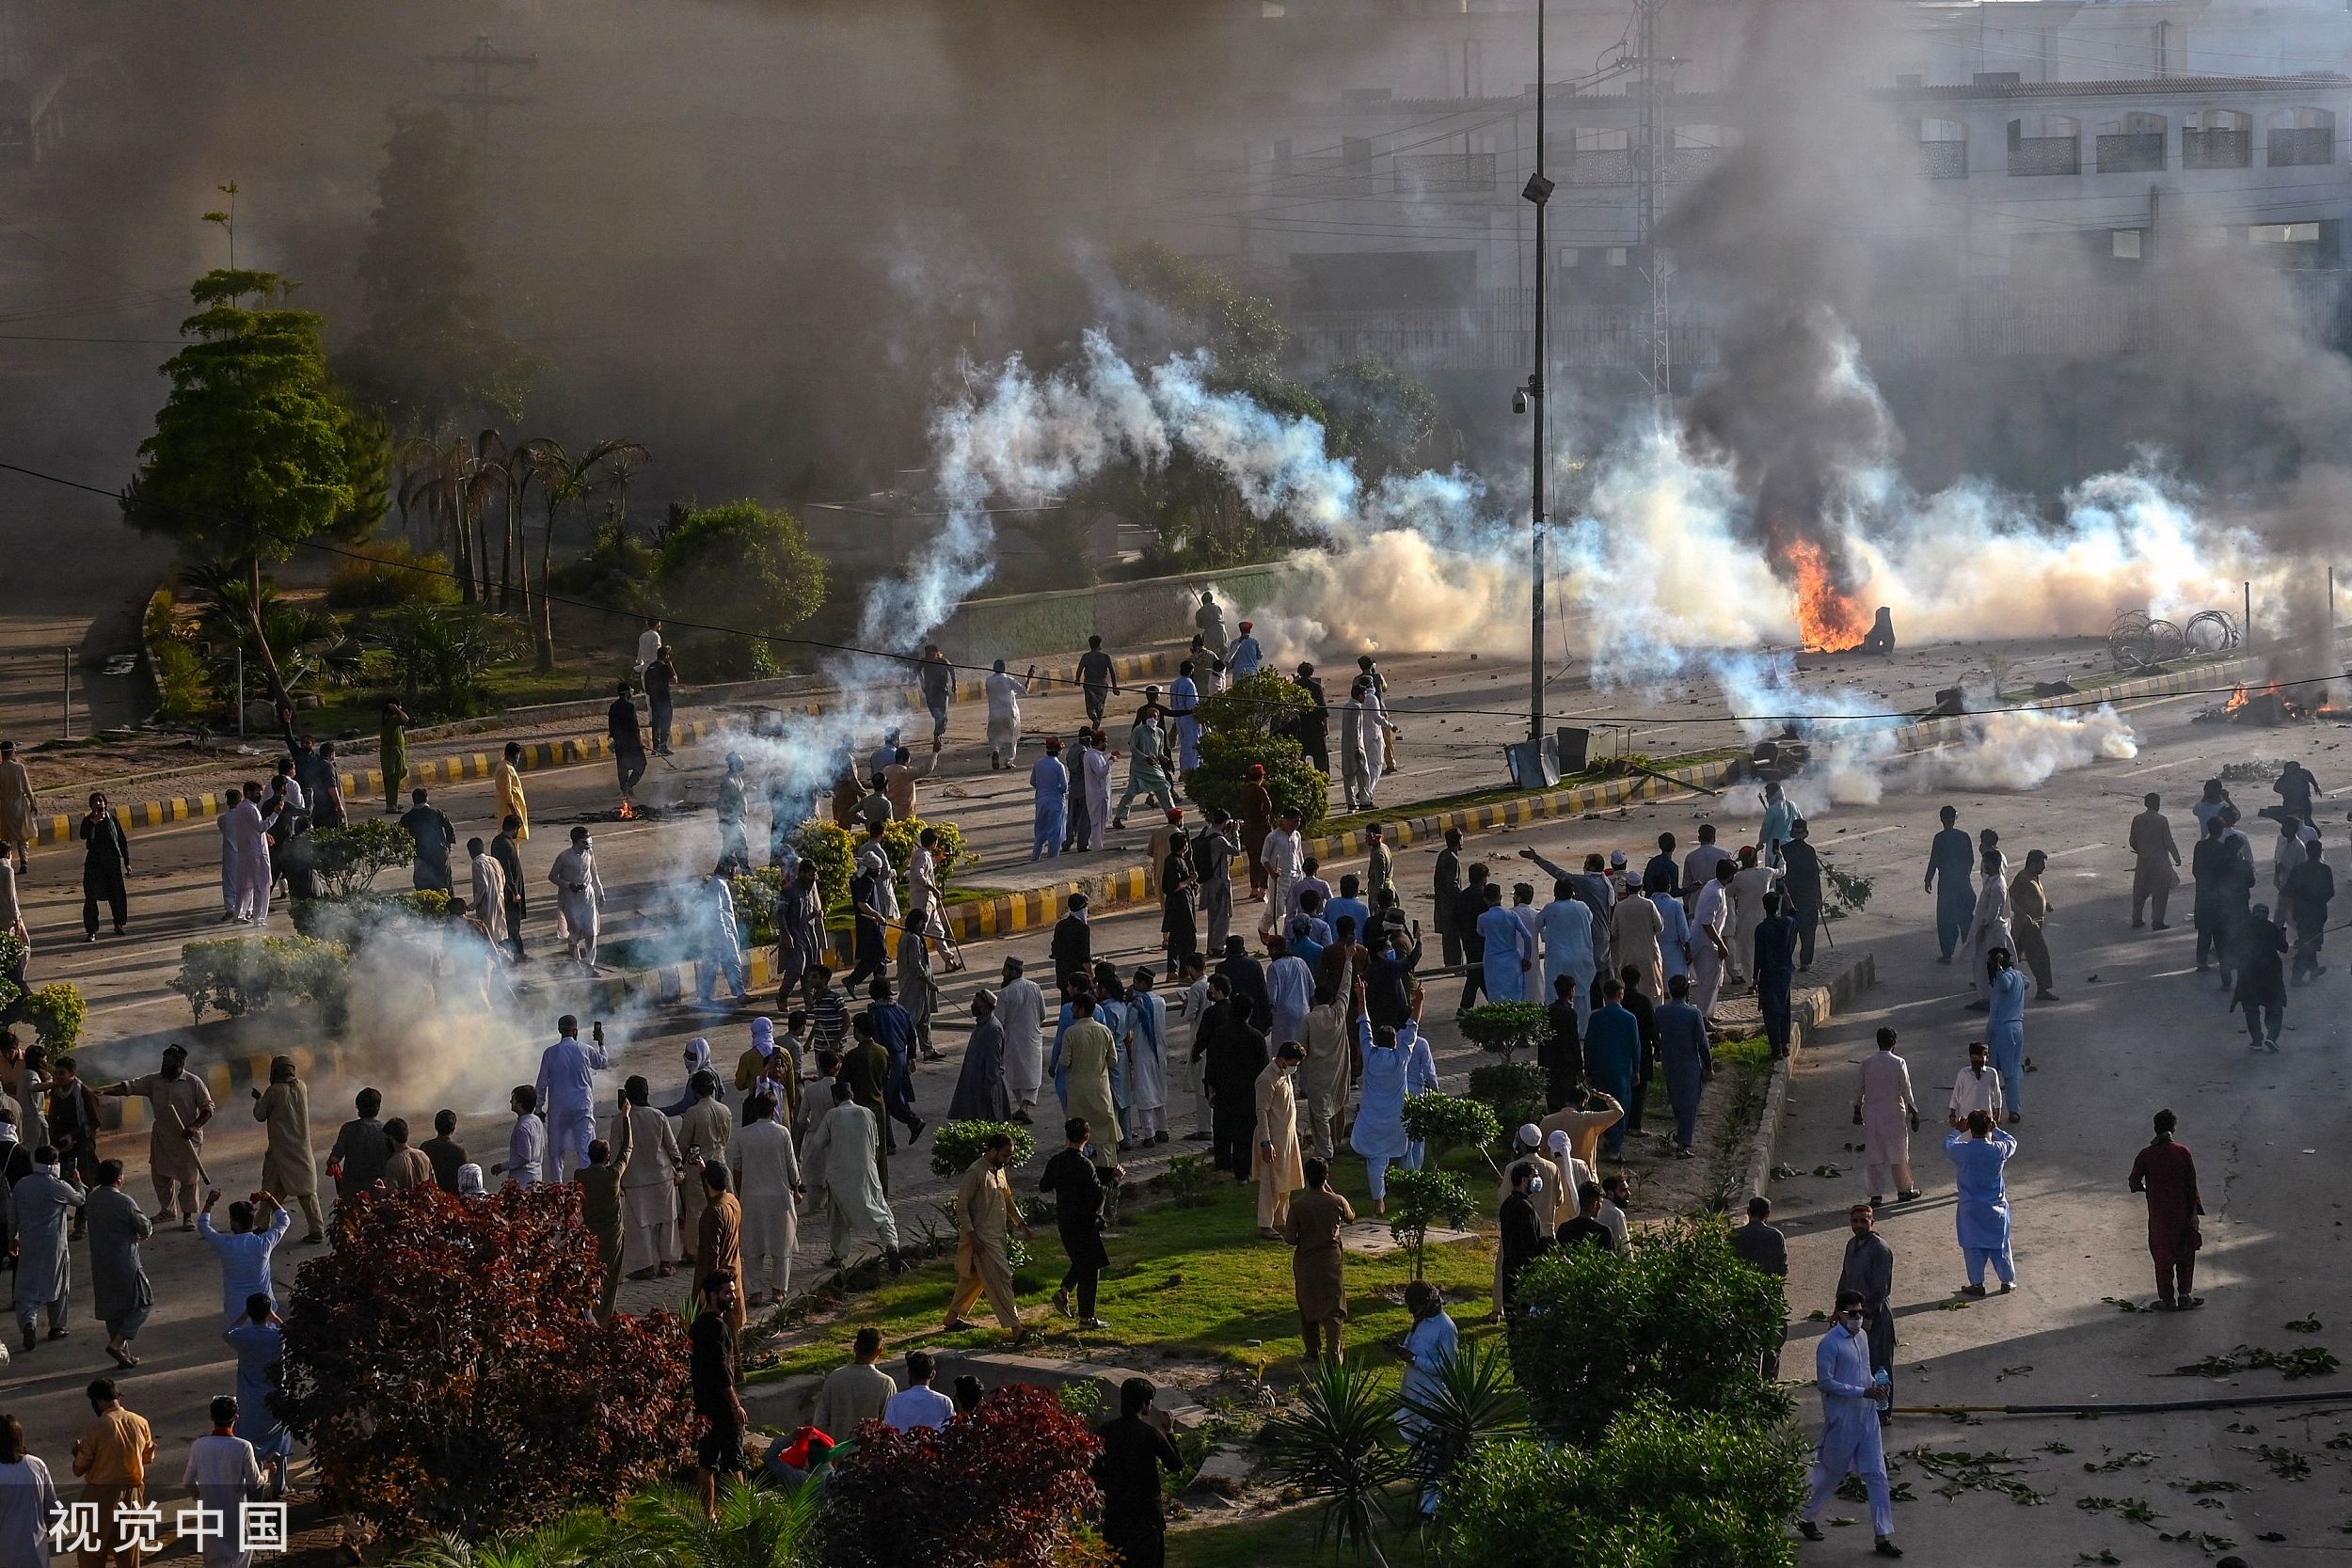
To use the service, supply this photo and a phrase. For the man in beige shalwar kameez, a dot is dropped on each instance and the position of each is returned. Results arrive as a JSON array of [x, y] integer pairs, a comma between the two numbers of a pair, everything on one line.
[[178, 1106], [1276, 1161], [290, 1168], [985, 1211]]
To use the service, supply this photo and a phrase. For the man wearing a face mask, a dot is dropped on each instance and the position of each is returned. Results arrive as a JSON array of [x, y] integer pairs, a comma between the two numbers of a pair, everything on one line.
[[1850, 1427]]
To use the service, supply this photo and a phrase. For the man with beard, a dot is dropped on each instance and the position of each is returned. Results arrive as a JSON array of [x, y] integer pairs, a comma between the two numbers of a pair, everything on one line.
[[178, 1106]]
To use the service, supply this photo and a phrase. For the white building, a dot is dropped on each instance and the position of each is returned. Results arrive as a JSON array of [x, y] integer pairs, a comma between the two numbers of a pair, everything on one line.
[[2052, 139]]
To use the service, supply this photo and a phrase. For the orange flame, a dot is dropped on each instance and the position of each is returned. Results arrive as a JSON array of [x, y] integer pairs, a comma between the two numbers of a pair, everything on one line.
[[628, 811], [1827, 616], [2237, 699]]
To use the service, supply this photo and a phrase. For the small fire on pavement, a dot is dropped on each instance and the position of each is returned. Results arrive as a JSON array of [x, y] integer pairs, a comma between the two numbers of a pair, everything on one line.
[[628, 811]]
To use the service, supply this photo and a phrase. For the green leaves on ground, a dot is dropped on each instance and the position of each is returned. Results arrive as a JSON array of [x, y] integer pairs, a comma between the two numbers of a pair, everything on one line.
[[2301, 1362], [1962, 1471]]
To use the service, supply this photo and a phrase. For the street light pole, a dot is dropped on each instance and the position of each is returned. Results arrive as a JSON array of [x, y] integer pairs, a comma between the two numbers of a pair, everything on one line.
[[1538, 191]]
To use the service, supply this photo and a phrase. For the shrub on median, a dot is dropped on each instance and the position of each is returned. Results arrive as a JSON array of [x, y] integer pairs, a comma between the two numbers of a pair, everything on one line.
[[57, 1014], [236, 975]]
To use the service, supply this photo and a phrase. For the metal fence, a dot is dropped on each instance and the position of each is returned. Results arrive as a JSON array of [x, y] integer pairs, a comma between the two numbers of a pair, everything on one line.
[[2307, 144], [2133, 153], [2216, 149], [2046, 156]]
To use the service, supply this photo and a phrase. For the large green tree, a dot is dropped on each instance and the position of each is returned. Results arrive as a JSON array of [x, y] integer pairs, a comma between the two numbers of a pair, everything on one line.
[[431, 351], [255, 451], [740, 564]]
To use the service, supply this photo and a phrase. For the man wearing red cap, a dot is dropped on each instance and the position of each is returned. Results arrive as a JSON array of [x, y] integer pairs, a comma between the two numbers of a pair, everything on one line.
[[1247, 657]]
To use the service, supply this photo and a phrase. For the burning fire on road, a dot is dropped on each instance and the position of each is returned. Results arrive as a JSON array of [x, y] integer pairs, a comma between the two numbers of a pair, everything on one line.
[[1829, 619], [2272, 704]]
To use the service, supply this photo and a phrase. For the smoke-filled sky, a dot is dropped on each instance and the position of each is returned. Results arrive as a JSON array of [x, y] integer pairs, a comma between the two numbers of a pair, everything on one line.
[[788, 243]]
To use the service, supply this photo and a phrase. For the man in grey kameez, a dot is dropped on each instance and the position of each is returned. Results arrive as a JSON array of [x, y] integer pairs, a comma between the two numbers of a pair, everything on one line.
[[39, 1208], [117, 1227]]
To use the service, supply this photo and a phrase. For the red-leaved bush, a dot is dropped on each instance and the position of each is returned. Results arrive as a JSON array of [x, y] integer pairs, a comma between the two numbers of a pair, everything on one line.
[[444, 1367], [1002, 1487]]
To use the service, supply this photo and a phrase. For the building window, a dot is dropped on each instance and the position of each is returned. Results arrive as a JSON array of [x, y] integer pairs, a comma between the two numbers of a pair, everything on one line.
[[2133, 144], [1996, 78], [2217, 139], [2300, 136], [2124, 243], [2283, 233], [1942, 148], [2046, 144]]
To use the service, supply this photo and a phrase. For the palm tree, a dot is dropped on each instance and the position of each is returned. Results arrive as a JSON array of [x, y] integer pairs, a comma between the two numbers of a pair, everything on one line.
[[1339, 1447], [566, 481], [455, 480], [756, 1526]]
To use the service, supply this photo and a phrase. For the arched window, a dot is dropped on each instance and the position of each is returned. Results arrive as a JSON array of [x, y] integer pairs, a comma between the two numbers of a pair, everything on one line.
[[2046, 144], [1942, 148], [2302, 136], [2217, 138], [2132, 145]]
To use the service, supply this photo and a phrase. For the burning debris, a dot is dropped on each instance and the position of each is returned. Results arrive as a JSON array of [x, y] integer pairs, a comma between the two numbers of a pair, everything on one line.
[[1829, 619], [2273, 704]]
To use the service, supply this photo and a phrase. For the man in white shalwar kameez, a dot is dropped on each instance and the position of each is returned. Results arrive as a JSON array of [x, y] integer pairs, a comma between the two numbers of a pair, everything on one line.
[[1285, 858], [841, 1159], [1887, 1113], [649, 1189], [1183, 700], [1004, 713], [1096, 763], [1710, 947], [567, 1091], [246, 838], [1989, 927], [579, 897], [1021, 1013], [490, 892], [223, 1473], [768, 1183], [1748, 888], [1329, 1072], [1850, 1442], [1144, 1054], [1359, 748]]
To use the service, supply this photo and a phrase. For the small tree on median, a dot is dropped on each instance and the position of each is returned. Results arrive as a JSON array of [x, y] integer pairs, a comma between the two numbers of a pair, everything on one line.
[[1252, 723], [1420, 1198]]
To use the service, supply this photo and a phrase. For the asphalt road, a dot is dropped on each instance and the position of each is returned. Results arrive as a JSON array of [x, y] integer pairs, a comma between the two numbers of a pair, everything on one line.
[[2146, 1032]]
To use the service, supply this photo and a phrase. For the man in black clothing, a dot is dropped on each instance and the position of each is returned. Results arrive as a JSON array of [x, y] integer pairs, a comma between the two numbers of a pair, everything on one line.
[[1246, 978], [508, 853], [1664, 864], [1586, 1228], [1800, 887], [660, 675], [1562, 1053], [1388, 981], [711, 1372], [1468, 905], [1076, 1186], [1521, 1234], [2305, 894], [1775, 963], [1074, 944], [1868, 1271], [1135, 1448], [435, 836], [628, 746], [1315, 725], [1231, 1053], [1766, 1250], [1446, 895], [1098, 678], [867, 942], [444, 1151], [1645, 1010]]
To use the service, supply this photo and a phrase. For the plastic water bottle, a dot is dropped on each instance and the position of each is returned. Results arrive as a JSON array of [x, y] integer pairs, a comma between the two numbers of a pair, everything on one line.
[[1883, 1392]]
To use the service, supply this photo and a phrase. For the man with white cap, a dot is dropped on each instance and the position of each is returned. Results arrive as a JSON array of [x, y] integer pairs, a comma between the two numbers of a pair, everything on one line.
[[1021, 1014], [1545, 1158]]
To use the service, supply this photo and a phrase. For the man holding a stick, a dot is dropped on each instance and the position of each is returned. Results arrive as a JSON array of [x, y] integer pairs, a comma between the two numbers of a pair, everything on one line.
[[181, 1106]]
